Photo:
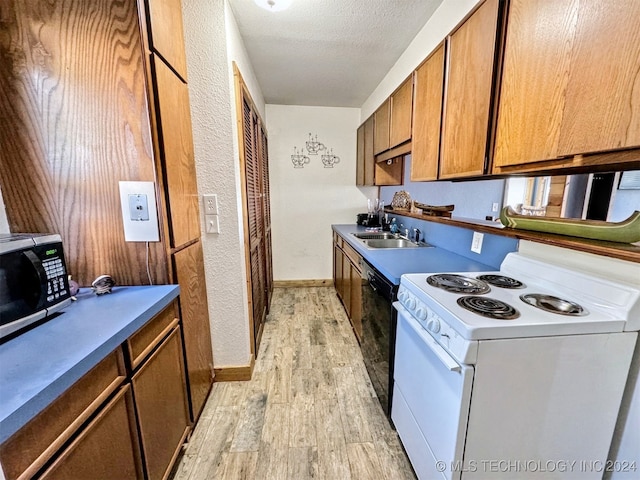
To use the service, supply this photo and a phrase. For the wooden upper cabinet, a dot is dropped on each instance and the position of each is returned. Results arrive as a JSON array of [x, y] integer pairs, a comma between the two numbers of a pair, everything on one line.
[[468, 91], [177, 154], [381, 125], [401, 104], [427, 113], [166, 34], [360, 156], [365, 159], [369, 157], [569, 82]]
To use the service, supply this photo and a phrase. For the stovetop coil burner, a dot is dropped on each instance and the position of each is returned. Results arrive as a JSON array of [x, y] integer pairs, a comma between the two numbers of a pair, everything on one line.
[[552, 304], [488, 307], [458, 283], [501, 281]]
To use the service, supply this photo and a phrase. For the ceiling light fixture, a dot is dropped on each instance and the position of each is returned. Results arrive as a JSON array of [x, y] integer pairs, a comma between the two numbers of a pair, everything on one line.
[[273, 5]]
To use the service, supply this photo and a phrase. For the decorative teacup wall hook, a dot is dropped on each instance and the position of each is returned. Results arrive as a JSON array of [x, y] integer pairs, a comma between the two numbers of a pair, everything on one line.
[[299, 159], [329, 159]]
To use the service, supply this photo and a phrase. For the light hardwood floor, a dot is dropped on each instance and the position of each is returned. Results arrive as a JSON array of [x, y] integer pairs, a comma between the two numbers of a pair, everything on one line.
[[309, 410]]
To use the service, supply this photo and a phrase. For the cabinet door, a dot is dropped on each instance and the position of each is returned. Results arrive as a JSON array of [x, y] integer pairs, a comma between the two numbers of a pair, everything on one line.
[[177, 154], [106, 449], [161, 404], [166, 33], [337, 269], [356, 300], [570, 80], [401, 104], [346, 283], [194, 311], [381, 135], [360, 156], [427, 115], [468, 87], [369, 157]]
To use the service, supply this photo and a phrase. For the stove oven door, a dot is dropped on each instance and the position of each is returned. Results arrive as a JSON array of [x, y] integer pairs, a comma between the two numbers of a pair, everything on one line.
[[432, 394]]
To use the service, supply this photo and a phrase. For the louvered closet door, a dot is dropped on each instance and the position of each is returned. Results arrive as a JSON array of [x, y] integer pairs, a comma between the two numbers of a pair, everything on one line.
[[266, 206], [254, 217]]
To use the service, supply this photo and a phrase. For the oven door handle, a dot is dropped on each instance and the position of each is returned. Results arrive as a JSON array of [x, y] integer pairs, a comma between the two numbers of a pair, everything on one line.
[[434, 346]]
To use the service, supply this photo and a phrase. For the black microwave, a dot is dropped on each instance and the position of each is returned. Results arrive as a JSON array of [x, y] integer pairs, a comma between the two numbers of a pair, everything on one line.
[[33, 280]]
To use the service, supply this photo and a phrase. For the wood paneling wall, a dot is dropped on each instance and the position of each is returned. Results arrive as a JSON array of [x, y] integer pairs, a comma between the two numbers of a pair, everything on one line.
[[73, 122]]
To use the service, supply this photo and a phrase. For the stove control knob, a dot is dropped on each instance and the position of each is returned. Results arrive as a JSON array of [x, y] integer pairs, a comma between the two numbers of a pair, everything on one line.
[[411, 303], [433, 325], [402, 296], [421, 314]]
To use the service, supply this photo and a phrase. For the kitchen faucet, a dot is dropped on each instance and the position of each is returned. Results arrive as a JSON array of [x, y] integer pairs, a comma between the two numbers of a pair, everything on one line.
[[404, 230], [416, 235]]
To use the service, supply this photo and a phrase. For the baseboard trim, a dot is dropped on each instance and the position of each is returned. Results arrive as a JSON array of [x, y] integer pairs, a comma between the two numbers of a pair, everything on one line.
[[303, 283], [235, 374]]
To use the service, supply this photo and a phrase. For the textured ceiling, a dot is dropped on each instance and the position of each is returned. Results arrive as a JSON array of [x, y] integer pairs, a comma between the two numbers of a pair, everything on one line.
[[327, 52]]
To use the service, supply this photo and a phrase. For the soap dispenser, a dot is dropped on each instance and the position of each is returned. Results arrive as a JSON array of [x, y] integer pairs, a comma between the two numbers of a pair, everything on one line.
[[394, 226]]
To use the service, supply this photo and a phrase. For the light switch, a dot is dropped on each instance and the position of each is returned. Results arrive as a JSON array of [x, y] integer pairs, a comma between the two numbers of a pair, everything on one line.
[[139, 214], [212, 224]]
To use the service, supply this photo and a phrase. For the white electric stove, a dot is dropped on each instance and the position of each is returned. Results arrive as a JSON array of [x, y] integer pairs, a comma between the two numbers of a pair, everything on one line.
[[511, 374]]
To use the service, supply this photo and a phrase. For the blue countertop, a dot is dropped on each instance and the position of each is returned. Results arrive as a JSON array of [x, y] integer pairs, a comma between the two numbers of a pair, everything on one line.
[[393, 262], [39, 365]]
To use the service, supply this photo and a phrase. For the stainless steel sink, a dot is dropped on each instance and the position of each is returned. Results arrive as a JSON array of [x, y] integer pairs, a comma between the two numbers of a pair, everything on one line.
[[391, 243], [375, 236], [386, 240]]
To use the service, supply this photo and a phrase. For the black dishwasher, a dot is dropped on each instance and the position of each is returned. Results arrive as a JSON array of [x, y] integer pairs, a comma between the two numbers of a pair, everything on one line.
[[378, 331]]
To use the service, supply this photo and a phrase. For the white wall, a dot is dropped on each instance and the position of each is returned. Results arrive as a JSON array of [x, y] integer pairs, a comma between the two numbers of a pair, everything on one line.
[[472, 199], [212, 42], [444, 19], [611, 268], [306, 201]]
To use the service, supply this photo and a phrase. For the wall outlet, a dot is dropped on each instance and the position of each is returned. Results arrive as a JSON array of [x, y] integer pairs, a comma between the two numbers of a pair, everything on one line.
[[212, 224], [210, 204], [476, 243], [495, 207], [139, 214]]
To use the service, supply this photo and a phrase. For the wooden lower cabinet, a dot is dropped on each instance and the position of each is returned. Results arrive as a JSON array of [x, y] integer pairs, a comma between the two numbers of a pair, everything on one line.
[[127, 418], [355, 313], [338, 279], [194, 311], [34, 445], [347, 279], [346, 283], [161, 406], [106, 449]]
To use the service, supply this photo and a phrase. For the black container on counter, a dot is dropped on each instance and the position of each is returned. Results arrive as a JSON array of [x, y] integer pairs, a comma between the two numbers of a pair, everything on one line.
[[368, 220]]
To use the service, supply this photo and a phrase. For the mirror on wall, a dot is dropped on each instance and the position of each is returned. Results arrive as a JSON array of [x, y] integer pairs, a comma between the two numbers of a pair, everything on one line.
[[609, 196]]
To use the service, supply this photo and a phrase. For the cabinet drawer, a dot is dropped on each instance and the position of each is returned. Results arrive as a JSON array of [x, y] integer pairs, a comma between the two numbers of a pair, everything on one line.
[[106, 449], [141, 343], [29, 448], [352, 254]]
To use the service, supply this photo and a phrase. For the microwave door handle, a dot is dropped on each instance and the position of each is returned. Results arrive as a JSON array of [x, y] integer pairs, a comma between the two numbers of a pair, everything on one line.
[[439, 352], [37, 266]]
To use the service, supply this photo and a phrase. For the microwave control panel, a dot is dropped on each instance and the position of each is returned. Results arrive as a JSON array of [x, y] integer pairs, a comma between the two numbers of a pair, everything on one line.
[[56, 278]]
